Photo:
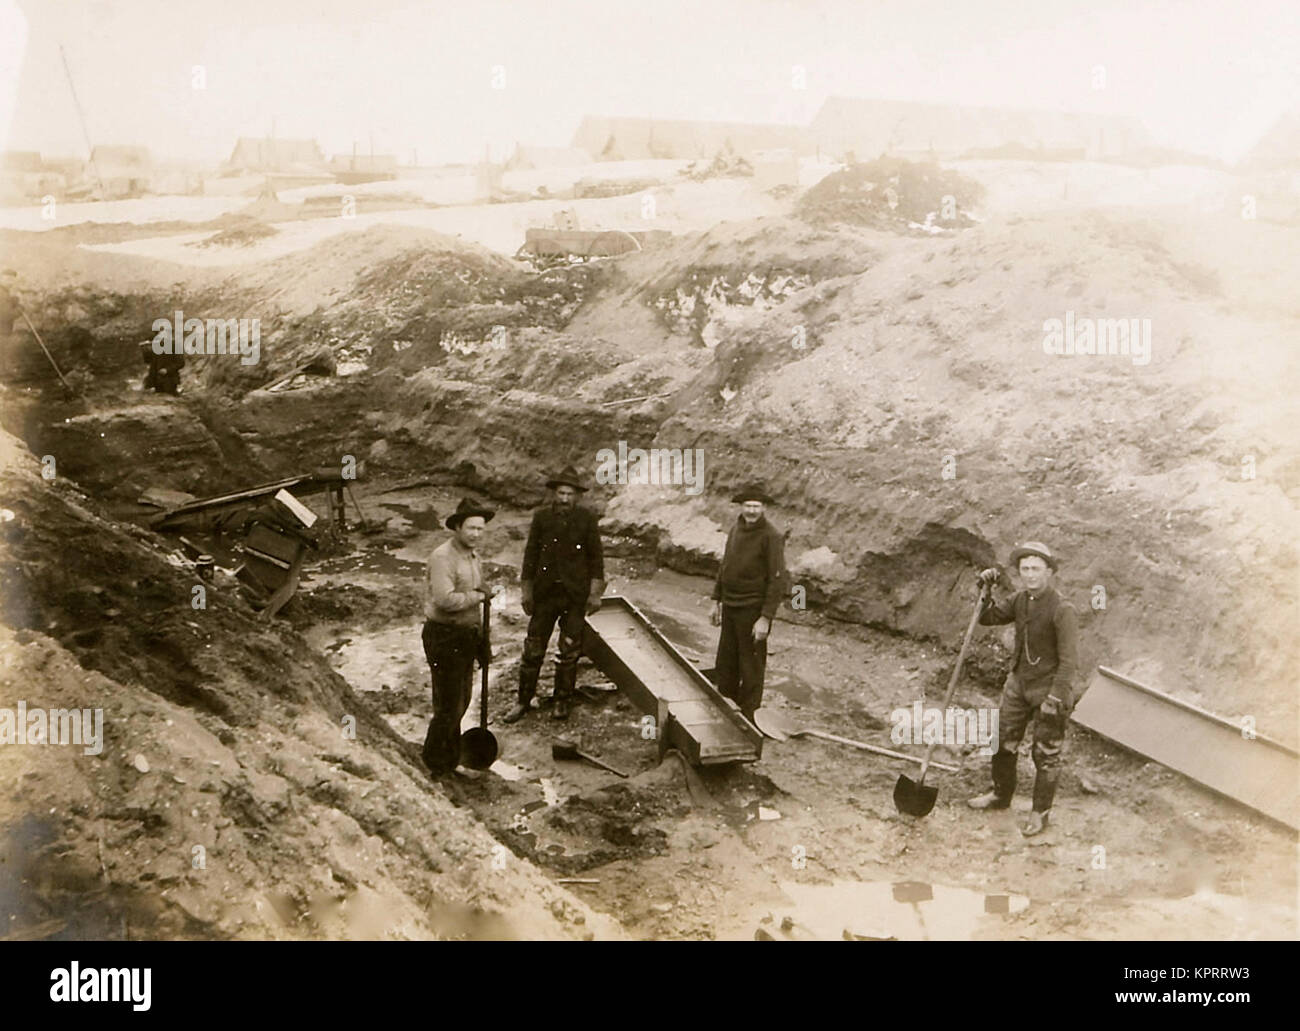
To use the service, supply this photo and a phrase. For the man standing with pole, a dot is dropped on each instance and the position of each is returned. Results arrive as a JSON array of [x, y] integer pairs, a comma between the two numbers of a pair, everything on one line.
[[563, 577], [1040, 686], [453, 607], [746, 594]]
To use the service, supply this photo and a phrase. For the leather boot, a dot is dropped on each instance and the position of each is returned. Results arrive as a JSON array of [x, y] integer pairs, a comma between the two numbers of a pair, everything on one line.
[[517, 713], [1035, 823]]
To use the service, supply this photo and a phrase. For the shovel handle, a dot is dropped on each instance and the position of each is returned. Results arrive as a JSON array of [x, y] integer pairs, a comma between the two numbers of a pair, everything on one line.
[[877, 749], [483, 662], [604, 766], [956, 675]]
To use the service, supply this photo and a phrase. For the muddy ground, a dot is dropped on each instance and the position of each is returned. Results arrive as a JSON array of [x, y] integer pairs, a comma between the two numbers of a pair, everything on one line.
[[809, 832]]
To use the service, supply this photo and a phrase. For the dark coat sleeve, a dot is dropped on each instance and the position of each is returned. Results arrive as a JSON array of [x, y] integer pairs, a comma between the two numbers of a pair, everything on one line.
[[529, 570], [775, 573], [595, 553], [717, 580], [996, 613], [1067, 653]]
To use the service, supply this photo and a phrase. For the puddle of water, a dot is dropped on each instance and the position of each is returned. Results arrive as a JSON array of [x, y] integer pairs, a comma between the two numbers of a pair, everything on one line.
[[791, 685], [906, 910], [420, 518], [675, 630], [373, 561]]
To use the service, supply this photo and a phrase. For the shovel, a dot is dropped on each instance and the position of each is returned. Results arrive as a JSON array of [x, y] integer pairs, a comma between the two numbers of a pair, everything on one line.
[[914, 797], [561, 748], [478, 745], [773, 725]]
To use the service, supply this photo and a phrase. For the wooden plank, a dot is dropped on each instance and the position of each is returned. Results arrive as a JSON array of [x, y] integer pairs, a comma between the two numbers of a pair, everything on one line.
[[1260, 773]]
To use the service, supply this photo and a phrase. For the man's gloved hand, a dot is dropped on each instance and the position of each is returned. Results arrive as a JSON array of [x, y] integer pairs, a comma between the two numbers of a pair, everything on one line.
[[762, 627], [527, 600], [715, 617]]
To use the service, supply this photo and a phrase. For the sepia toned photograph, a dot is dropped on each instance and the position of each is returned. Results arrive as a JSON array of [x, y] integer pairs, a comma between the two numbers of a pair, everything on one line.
[[742, 470]]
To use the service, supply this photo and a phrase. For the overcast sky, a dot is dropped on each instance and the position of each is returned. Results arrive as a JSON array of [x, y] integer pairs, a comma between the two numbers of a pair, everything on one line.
[[419, 75]]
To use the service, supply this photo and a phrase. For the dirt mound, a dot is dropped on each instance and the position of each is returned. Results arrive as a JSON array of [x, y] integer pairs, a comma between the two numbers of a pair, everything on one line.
[[892, 193]]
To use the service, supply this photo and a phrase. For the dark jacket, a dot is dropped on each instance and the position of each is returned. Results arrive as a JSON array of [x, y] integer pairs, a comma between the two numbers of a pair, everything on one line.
[[1047, 639], [752, 573], [563, 549]]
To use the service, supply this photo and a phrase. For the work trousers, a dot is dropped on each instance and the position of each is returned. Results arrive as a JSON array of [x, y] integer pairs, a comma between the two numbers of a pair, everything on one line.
[[741, 663], [451, 650], [1019, 709], [549, 607]]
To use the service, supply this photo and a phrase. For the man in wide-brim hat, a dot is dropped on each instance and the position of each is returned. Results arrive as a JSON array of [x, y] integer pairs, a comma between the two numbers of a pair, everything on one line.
[[453, 630], [746, 594], [563, 577], [1040, 687]]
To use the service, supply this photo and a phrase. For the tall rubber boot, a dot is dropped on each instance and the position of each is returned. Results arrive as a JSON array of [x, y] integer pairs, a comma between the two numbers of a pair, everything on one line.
[[1045, 790], [566, 679], [1004, 774], [527, 689], [1004, 783]]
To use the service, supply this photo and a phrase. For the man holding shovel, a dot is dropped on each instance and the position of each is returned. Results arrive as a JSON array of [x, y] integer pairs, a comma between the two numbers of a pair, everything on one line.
[[1040, 686], [563, 577], [746, 594], [453, 631]]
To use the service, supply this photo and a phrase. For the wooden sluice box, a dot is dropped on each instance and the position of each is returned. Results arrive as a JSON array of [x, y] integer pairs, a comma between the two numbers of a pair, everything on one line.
[[690, 714]]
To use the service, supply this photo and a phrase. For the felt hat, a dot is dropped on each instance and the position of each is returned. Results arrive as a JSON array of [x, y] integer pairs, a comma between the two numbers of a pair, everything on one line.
[[468, 507], [752, 492], [1033, 548], [566, 477]]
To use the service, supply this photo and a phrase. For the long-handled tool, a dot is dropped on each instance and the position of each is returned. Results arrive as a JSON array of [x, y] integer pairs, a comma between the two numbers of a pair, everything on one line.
[[561, 748], [58, 372], [915, 797], [778, 728], [478, 745]]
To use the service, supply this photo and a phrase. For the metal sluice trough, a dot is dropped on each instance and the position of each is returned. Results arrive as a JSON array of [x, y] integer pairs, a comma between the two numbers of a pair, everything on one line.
[[1254, 770], [690, 713]]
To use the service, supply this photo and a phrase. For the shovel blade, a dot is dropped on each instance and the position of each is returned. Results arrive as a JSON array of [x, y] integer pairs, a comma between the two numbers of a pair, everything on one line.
[[913, 799], [478, 748], [771, 725]]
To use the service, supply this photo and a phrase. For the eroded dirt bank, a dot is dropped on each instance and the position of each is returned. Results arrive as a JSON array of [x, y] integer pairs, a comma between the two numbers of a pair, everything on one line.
[[242, 790]]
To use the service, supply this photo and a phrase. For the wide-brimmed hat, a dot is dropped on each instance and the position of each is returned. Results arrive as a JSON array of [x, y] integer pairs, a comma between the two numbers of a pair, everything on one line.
[[566, 477], [1033, 548], [752, 492], [468, 507]]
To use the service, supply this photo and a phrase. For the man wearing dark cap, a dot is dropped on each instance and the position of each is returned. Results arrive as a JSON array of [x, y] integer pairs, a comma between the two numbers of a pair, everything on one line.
[[453, 629], [563, 577], [746, 594], [1040, 686]]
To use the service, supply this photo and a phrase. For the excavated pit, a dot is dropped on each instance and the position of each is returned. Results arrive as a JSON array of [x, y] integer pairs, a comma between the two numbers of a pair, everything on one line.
[[882, 541]]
